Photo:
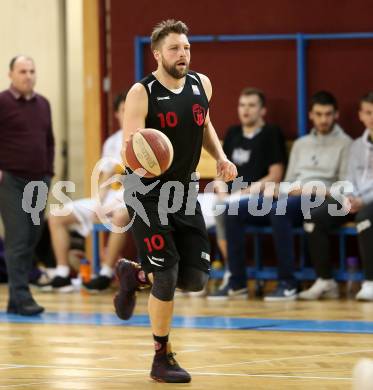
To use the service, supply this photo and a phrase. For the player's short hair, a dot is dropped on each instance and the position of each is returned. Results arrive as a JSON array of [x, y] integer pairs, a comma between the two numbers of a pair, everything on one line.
[[324, 98], [121, 97], [15, 58], [162, 29], [367, 98], [257, 92]]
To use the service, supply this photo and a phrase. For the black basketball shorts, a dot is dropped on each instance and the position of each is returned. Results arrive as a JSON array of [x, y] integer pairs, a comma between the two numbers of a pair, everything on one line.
[[183, 240]]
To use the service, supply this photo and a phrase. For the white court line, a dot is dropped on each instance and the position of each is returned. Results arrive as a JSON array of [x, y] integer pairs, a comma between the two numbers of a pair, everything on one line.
[[136, 372], [11, 338], [129, 372], [100, 379], [190, 368], [77, 368], [8, 366], [108, 358], [269, 376], [25, 384], [281, 359], [329, 378], [104, 342]]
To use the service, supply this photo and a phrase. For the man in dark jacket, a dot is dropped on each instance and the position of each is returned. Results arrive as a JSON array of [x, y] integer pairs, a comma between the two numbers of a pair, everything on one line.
[[26, 167]]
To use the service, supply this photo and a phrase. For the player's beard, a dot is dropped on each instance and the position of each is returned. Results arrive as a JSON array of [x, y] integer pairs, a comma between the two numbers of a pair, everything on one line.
[[173, 71]]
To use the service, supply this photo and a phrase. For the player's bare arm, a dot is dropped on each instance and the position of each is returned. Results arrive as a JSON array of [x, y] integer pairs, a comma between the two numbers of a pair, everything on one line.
[[226, 170], [136, 109]]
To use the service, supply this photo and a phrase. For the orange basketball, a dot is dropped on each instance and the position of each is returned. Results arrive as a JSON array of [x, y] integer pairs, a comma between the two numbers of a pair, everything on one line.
[[151, 150]]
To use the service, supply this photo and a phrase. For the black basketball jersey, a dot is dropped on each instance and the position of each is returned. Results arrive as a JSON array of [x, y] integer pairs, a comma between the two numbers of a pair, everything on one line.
[[181, 116]]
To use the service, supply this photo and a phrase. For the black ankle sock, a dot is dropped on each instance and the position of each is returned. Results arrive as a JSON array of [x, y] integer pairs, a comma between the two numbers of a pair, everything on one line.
[[160, 343]]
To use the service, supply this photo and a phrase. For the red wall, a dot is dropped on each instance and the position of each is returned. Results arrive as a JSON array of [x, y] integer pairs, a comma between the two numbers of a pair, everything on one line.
[[343, 67]]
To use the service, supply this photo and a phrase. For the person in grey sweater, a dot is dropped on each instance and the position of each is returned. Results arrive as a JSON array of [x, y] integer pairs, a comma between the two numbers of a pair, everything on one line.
[[319, 156], [358, 206]]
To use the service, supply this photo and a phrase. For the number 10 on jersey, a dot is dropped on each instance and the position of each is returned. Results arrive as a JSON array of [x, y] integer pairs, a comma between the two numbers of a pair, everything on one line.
[[169, 119]]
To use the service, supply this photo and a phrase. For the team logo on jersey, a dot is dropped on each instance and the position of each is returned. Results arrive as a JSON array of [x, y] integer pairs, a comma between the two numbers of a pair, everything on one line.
[[163, 98], [153, 260], [199, 114]]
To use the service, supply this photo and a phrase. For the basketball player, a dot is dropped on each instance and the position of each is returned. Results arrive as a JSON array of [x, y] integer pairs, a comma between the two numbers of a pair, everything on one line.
[[175, 101]]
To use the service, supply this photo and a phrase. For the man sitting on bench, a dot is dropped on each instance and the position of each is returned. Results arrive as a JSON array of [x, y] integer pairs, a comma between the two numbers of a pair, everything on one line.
[[360, 206], [319, 156]]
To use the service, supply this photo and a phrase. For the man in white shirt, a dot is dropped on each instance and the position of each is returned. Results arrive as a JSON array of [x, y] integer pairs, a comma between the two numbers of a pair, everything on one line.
[[83, 213]]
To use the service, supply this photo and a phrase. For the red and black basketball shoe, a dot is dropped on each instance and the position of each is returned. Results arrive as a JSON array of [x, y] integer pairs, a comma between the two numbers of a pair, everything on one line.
[[166, 369], [127, 273]]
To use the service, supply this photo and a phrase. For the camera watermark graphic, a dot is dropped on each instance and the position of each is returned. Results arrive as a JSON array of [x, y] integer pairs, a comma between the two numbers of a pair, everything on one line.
[[257, 199]]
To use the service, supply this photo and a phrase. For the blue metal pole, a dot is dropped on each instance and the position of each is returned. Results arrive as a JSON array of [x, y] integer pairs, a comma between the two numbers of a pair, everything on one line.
[[255, 37], [268, 37], [301, 85], [96, 251], [139, 58], [301, 40], [356, 35], [192, 38], [202, 38], [144, 39]]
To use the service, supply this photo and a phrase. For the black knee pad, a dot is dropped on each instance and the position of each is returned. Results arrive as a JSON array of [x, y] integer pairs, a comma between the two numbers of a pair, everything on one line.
[[192, 279], [164, 283]]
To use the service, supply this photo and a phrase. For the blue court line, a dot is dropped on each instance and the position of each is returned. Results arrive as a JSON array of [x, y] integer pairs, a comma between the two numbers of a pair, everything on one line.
[[263, 324]]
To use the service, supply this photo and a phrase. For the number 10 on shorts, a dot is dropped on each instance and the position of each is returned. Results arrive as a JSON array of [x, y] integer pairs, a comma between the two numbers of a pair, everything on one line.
[[156, 242]]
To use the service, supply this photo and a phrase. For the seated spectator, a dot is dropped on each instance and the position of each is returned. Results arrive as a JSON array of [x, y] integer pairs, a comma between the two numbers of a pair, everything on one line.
[[84, 214], [319, 156], [258, 150], [360, 206]]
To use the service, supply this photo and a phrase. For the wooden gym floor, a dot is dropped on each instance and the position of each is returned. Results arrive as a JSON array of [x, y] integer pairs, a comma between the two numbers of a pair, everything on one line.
[[241, 344]]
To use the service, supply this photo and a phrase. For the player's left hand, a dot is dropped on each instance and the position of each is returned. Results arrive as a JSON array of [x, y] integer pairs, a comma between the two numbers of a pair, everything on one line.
[[226, 170], [124, 148]]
